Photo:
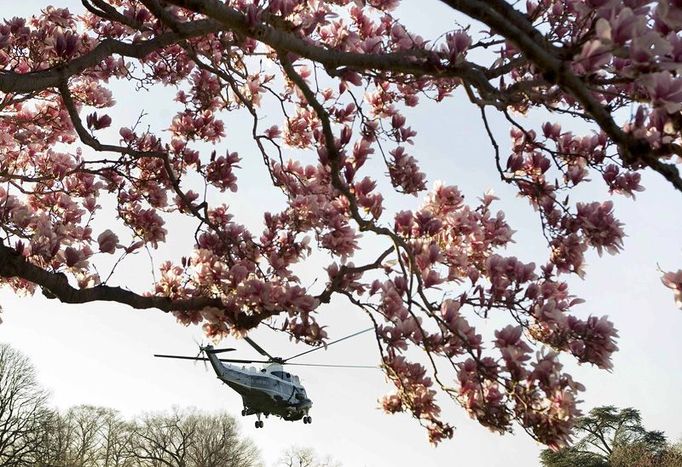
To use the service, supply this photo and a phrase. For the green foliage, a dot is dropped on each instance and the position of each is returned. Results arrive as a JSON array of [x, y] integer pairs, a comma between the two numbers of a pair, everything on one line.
[[609, 437]]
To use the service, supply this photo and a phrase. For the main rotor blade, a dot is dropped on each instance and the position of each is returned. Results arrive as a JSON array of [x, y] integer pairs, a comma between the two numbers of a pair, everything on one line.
[[221, 350], [331, 343], [204, 359], [182, 357], [258, 348], [373, 367]]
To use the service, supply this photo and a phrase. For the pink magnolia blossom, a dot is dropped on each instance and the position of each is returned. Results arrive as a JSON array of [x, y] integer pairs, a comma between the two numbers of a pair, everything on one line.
[[673, 280], [666, 91], [108, 241]]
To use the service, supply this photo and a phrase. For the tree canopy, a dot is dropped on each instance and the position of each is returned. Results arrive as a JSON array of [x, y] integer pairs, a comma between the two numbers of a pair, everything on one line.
[[612, 437], [79, 183]]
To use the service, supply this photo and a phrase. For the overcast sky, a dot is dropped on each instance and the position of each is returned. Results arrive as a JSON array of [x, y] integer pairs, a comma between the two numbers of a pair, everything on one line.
[[102, 353]]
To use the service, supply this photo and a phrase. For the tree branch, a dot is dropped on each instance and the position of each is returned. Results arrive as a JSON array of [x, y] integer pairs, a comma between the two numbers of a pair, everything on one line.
[[415, 62], [517, 28], [12, 82], [14, 265]]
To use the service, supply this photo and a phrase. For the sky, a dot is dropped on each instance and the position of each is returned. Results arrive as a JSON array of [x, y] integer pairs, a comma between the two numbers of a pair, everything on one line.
[[102, 354]]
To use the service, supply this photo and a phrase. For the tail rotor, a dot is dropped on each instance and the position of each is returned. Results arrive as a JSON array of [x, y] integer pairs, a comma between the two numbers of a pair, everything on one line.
[[199, 355]]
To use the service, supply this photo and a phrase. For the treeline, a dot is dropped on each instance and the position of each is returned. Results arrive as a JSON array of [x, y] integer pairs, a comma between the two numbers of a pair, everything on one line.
[[33, 434], [87, 436]]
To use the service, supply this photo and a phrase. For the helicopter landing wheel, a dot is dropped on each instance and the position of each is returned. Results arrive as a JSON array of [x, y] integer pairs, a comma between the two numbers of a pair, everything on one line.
[[307, 420], [259, 424], [243, 412]]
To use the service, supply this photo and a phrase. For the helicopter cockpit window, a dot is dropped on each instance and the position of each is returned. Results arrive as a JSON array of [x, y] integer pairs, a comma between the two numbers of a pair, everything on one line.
[[300, 394], [281, 375]]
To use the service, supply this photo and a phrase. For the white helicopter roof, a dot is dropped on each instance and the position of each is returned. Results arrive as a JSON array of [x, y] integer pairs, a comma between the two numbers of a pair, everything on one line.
[[274, 370]]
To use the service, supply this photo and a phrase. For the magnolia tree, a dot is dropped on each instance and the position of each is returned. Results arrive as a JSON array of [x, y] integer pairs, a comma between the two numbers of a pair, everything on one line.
[[342, 74]]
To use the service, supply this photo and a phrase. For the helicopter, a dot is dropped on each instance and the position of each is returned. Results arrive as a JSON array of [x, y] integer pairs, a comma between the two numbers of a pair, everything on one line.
[[269, 390]]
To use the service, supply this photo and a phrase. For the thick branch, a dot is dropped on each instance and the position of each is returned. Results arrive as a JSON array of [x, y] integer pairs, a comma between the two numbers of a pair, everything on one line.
[[12, 82], [14, 265]]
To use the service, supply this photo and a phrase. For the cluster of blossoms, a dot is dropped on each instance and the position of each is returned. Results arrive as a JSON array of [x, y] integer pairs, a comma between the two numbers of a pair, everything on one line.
[[347, 74], [450, 242]]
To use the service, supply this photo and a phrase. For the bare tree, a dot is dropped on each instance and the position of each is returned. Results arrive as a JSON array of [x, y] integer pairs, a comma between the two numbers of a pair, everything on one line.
[[98, 436], [23, 409], [85, 442], [57, 435], [85, 436], [640, 455], [116, 441], [190, 438], [162, 440], [218, 444], [297, 456]]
